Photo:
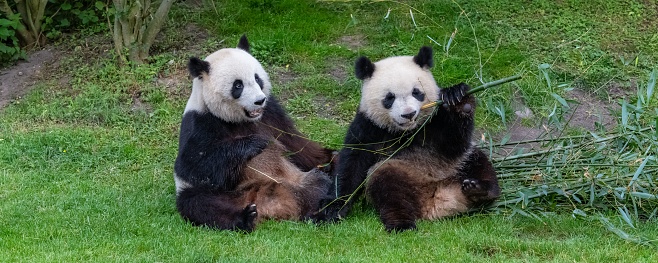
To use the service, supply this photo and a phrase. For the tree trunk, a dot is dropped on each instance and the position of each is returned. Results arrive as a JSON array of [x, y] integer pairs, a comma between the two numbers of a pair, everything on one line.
[[28, 35], [135, 28], [32, 16]]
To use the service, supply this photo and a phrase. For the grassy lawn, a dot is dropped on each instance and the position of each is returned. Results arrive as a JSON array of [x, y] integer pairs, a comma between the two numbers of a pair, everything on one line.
[[86, 158]]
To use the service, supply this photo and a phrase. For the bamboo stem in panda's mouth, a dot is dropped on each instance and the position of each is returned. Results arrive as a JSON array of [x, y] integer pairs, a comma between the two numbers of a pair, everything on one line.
[[477, 89]]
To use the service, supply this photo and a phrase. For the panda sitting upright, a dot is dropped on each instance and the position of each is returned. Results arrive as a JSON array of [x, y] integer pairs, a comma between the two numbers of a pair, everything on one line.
[[413, 167], [240, 157]]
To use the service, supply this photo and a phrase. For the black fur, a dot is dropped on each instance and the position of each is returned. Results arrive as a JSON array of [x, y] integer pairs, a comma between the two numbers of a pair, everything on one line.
[[244, 43], [212, 152], [259, 81], [401, 215], [388, 101], [236, 90], [363, 68], [220, 210], [212, 156], [196, 67], [419, 95], [424, 58], [447, 134], [484, 190]]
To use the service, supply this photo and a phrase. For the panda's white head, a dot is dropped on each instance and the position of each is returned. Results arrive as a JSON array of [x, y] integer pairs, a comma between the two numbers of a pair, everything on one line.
[[230, 83], [395, 88]]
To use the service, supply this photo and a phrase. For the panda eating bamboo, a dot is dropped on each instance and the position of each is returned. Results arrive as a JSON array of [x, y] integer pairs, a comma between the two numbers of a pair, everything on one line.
[[413, 164]]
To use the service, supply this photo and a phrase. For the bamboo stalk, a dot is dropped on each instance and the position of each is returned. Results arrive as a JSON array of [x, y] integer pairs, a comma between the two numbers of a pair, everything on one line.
[[477, 89]]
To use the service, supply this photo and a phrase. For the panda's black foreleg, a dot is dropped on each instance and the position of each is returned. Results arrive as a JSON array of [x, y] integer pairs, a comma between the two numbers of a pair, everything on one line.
[[453, 123], [479, 180], [347, 180], [395, 198], [226, 211], [222, 162]]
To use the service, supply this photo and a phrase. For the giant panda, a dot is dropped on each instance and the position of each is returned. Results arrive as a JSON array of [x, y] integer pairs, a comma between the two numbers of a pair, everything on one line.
[[413, 163], [240, 158]]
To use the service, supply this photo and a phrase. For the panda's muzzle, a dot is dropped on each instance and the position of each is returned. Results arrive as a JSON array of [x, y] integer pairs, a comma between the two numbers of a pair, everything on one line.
[[409, 116], [254, 113]]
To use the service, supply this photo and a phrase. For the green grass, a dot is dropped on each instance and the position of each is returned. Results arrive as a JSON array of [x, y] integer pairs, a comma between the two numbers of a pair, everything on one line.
[[86, 158]]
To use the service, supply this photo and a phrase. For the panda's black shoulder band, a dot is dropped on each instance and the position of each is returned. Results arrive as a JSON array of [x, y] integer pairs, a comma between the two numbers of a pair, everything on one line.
[[424, 57], [363, 68], [244, 43], [197, 66]]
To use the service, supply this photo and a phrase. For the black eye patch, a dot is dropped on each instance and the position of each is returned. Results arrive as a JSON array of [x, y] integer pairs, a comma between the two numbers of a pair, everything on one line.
[[388, 100], [236, 90], [259, 81], [419, 95]]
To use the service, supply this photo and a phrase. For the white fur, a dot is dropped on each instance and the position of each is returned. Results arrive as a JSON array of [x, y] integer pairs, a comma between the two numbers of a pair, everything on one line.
[[212, 91], [180, 184], [398, 75]]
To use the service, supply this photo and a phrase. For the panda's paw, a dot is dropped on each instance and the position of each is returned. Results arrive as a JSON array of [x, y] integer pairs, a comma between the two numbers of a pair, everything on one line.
[[255, 144], [249, 215], [457, 98], [455, 94], [331, 211], [471, 186], [400, 227]]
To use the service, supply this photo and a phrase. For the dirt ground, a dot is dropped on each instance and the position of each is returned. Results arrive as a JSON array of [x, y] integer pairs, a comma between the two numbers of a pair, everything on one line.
[[17, 80]]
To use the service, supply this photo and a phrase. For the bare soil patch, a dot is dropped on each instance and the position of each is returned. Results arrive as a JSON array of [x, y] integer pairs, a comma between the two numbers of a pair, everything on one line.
[[586, 110], [339, 70], [17, 80], [352, 42]]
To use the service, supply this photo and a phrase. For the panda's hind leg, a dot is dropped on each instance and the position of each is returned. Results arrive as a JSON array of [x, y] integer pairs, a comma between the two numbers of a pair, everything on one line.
[[394, 193], [479, 180], [216, 210]]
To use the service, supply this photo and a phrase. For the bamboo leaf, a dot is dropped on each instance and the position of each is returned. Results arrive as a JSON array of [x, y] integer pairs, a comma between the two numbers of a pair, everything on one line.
[[639, 171], [624, 113], [560, 100], [612, 228], [592, 193], [447, 46], [575, 197], [625, 216], [635, 108], [506, 138], [544, 70], [651, 85], [553, 112], [644, 195], [578, 212]]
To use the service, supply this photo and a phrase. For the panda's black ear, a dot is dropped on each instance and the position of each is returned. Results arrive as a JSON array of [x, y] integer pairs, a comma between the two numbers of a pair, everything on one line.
[[244, 43], [363, 68], [197, 66], [424, 58]]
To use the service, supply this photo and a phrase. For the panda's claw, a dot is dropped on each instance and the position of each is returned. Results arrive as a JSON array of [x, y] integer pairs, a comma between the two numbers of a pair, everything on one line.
[[455, 95], [247, 219]]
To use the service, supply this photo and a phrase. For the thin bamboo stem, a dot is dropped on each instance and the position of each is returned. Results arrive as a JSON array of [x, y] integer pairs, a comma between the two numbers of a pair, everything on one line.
[[477, 89]]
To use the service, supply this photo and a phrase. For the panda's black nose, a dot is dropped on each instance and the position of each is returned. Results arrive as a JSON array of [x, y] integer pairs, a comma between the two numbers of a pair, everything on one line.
[[260, 102], [409, 116]]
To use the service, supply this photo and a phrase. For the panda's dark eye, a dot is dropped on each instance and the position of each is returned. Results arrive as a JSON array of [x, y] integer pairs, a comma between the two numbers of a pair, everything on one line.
[[259, 81], [419, 95], [236, 90], [388, 100], [237, 84]]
